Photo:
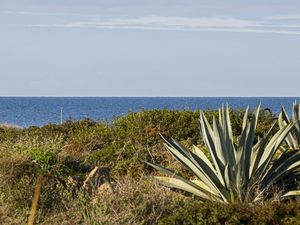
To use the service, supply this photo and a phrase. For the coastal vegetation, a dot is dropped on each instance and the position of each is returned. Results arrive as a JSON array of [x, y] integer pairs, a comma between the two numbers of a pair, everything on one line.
[[95, 172], [242, 170]]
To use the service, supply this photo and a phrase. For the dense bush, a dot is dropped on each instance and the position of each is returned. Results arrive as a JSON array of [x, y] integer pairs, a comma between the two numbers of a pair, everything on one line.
[[190, 212]]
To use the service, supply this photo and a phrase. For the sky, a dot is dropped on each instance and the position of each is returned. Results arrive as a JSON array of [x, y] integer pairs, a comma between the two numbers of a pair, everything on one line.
[[149, 48]]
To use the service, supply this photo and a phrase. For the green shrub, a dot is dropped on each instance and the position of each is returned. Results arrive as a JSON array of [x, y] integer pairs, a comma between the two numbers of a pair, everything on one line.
[[191, 212]]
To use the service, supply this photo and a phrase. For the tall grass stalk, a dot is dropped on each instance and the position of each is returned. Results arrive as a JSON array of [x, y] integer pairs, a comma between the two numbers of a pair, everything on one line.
[[35, 199]]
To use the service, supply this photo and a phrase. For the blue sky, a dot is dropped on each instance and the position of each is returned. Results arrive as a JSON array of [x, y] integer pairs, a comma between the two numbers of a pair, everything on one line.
[[149, 48]]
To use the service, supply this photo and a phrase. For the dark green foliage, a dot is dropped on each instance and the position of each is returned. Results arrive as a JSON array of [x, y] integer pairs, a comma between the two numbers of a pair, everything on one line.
[[191, 212]]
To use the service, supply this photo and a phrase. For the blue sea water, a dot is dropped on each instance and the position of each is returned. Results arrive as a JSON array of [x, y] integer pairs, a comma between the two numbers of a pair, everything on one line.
[[38, 111]]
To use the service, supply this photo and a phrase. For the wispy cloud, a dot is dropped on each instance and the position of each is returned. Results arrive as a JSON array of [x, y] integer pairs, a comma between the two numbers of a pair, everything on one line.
[[279, 24], [160, 22], [283, 17], [30, 13]]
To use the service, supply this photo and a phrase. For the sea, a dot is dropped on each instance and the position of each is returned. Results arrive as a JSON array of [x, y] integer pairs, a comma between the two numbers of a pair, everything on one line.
[[39, 111]]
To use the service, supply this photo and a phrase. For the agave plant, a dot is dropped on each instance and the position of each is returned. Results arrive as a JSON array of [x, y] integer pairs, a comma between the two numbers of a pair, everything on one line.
[[239, 171], [293, 138]]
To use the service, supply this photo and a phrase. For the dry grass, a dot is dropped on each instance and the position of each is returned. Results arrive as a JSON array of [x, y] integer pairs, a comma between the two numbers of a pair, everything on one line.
[[35, 199], [132, 202]]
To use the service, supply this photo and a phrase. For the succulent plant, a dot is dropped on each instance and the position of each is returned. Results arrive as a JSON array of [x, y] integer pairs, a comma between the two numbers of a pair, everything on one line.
[[293, 138], [242, 169]]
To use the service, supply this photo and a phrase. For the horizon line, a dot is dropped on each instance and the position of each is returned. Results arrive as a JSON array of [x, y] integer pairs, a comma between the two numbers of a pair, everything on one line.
[[45, 96]]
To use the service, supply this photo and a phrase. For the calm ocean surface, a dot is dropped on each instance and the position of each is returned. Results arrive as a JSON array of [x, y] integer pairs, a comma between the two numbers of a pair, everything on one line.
[[28, 111]]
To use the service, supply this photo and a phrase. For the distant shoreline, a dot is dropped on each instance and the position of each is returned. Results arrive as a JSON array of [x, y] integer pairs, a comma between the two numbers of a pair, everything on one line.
[[39, 111], [10, 126]]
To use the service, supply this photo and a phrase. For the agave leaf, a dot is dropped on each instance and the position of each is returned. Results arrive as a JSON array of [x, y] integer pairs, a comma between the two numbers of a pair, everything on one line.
[[200, 154], [289, 164], [227, 130], [272, 146], [245, 119], [291, 193], [198, 166], [238, 168], [164, 170], [203, 174], [283, 119], [170, 142], [259, 150], [223, 146], [210, 173], [215, 153], [249, 144], [226, 146], [227, 177], [296, 114], [187, 163], [179, 184], [224, 125], [227, 121], [202, 185], [222, 155], [204, 188], [240, 157], [286, 155]]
